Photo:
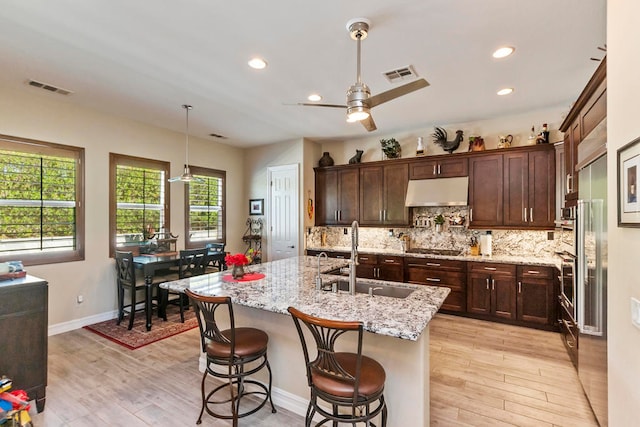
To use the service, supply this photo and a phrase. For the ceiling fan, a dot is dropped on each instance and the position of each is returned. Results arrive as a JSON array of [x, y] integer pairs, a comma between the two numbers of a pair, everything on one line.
[[359, 99]]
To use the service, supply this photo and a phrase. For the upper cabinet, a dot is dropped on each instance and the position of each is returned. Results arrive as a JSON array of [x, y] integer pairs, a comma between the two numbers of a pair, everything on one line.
[[337, 195], [440, 167], [485, 190], [383, 189], [589, 110]]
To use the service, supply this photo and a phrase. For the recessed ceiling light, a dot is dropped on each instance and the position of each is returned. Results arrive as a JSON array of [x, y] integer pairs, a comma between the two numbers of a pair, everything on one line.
[[314, 97], [505, 91], [503, 52], [257, 63]]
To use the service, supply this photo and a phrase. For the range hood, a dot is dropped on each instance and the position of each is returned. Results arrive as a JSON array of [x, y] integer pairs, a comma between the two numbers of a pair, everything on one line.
[[438, 192]]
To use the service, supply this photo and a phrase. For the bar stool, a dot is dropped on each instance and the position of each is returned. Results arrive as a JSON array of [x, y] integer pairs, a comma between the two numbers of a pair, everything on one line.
[[231, 350], [342, 380]]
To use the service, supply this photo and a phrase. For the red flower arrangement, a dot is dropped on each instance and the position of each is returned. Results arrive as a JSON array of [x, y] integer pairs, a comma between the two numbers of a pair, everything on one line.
[[237, 259]]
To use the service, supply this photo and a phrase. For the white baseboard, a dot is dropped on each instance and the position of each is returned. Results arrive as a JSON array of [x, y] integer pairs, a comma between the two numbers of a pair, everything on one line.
[[59, 328]]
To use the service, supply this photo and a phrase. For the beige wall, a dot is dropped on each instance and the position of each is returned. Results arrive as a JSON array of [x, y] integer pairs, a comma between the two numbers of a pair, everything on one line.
[[44, 117], [518, 125], [623, 92]]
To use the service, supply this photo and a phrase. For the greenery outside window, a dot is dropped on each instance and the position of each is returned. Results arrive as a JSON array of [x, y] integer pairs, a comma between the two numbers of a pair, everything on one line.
[[41, 201], [205, 208], [138, 201]]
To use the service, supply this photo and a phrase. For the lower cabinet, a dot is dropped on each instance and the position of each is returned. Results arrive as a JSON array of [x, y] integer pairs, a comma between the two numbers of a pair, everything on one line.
[[536, 297], [23, 335], [492, 290], [381, 267], [440, 272]]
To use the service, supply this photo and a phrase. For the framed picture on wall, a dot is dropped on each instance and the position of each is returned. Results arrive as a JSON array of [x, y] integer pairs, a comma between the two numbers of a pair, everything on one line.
[[256, 207], [628, 172]]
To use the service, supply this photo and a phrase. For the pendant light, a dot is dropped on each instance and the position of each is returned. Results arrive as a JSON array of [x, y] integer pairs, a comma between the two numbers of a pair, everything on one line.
[[186, 175]]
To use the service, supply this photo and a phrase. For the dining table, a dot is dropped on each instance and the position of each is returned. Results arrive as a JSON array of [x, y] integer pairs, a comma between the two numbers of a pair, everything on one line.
[[152, 264]]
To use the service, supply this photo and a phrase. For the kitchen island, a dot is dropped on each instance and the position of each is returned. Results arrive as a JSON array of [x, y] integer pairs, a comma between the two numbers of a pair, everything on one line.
[[398, 338]]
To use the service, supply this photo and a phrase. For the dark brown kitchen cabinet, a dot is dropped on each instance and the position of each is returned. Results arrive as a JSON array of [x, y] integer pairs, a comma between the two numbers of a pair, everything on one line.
[[441, 167], [440, 272], [491, 290], [536, 300], [588, 110], [383, 189], [381, 267], [330, 254], [485, 190], [337, 195], [529, 188], [23, 335]]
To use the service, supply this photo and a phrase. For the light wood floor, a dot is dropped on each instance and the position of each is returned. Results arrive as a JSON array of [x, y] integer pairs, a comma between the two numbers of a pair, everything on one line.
[[482, 373]]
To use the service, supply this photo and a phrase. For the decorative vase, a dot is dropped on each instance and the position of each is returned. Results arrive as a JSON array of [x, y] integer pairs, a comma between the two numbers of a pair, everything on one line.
[[438, 228], [237, 271], [325, 160]]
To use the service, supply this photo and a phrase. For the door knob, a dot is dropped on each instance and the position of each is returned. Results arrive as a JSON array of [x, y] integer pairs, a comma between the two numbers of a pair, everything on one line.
[[291, 247]]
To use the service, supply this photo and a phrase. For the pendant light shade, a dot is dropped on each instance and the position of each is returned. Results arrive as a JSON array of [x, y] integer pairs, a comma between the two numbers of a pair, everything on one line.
[[186, 174]]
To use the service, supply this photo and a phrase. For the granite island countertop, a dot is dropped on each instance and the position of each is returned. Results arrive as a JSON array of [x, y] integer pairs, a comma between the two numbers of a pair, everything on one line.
[[498, 258], [291, 282]]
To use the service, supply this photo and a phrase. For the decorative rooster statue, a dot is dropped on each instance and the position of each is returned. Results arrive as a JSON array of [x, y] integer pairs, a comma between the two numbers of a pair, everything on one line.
[[440, 138]]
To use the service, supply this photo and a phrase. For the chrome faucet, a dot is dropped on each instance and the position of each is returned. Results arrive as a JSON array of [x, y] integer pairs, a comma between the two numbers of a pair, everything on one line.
[[353, 262], [319, 277]]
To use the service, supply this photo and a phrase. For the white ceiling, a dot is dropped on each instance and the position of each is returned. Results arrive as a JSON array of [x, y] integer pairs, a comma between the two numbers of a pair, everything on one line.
[[143, 59]]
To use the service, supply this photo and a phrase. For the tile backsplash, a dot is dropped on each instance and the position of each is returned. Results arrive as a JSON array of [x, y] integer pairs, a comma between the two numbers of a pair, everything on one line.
[[424, 235]]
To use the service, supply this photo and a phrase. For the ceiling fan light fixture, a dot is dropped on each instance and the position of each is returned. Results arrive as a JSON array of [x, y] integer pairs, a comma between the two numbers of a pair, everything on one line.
[[503, 52], [357, 113]]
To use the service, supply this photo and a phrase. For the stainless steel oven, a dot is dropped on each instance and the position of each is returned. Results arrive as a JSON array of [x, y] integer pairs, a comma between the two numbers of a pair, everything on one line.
[[568, 283]]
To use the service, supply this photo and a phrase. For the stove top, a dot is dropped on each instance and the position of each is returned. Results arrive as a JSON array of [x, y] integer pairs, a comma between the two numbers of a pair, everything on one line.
[[428, 251]]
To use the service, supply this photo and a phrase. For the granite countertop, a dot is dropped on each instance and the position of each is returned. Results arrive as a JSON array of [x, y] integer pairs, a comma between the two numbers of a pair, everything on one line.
[[508, 259], [291, 282]]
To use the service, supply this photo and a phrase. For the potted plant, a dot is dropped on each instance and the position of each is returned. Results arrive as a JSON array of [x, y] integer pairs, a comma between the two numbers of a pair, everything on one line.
[[439, 222], [390, 148]]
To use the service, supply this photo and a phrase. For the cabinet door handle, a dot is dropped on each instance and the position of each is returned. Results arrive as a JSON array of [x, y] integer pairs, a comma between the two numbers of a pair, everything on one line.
[[384, 215], [439, 172], [364, 258], [487, 283], [335, 215], [490, 269], [434, 170], [534, 272], [524, 214], [530, 214], [429, 279], [470, 214], [378, 272], [433, 264], [391, 261], [380, 215], [493, 284], [340, 215], [519, 287], [568, 181]]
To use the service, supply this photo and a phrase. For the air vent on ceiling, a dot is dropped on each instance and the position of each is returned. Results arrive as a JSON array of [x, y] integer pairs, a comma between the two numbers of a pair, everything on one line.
[[402, 73], [48, 87], [215, 135]]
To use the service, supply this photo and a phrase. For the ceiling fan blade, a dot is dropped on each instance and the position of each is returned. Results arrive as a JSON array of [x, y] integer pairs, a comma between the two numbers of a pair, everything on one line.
[[304, 104], [369, 124], [397, 92]]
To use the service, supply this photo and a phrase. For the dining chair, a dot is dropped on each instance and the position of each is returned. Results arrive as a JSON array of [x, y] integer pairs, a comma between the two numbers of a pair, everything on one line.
[[216, 257], [192, 262], [127, 281], [349, 381], [233, 355]]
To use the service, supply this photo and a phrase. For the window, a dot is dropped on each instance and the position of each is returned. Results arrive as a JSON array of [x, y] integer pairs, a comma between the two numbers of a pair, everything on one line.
[[139, 200], [41, 201], [204, 208]]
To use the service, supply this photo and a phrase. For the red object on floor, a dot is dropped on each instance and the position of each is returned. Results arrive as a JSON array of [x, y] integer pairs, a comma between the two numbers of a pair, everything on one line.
[[248, 277]]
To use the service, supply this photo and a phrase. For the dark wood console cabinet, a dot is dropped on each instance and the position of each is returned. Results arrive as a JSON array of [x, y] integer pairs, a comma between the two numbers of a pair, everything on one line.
[[23, 335]]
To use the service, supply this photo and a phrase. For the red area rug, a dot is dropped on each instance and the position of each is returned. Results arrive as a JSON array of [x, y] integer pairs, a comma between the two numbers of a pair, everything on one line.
[[138, 336]]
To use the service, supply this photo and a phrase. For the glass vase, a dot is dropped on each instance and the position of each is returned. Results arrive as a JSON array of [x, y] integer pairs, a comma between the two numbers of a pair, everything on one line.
[[237, 271]]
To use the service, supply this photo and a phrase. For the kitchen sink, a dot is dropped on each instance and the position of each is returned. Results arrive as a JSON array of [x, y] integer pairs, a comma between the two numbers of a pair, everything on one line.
[[376, 289], [429, 251]]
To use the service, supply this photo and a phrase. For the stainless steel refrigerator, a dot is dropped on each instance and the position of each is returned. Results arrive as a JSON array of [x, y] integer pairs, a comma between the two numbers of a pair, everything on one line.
[[592, 283]]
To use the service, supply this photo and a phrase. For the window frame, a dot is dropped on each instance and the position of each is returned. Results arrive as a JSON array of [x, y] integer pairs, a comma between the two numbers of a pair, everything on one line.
[[116, 160], [33, 146], [212, 173]]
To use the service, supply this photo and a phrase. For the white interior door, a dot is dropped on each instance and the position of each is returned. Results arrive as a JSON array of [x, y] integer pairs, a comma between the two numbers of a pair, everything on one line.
[[283, 231]]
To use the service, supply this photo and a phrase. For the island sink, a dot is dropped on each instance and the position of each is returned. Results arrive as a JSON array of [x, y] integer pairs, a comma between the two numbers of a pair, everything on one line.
[[371, 289]]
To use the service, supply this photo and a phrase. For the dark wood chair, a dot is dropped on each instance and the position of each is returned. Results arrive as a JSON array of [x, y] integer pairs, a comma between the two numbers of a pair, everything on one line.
[[340, 379], [233, 355], [193, 262], [216, 257], [127, 281]]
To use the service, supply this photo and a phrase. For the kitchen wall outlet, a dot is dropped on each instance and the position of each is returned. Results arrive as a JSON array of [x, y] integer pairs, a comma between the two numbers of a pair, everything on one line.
[[549, 235], [391, 232], [79, 299], [635, 312], [345, 231]]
